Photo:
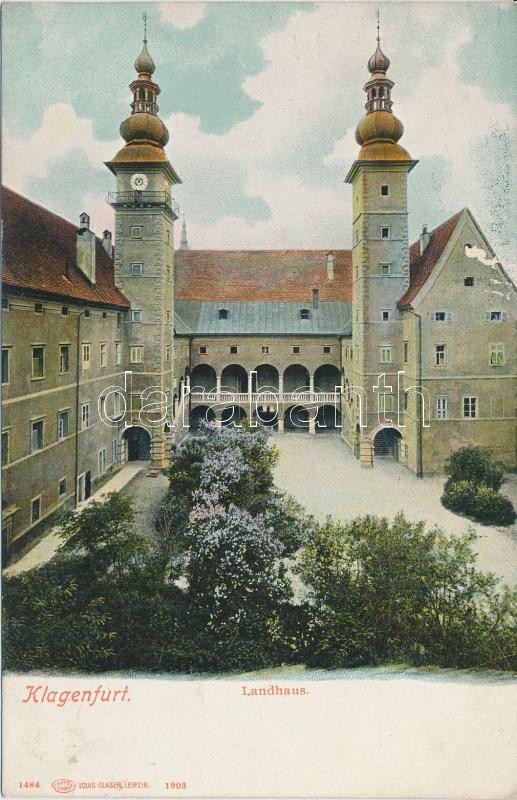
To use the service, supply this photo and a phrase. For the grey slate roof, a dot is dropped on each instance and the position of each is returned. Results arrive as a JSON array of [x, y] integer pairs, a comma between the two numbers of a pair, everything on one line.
[[248, 318]]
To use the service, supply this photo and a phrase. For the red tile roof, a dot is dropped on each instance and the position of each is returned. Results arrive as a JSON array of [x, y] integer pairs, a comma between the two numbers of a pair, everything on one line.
[[421, 266], [281, 275], [40, 255]]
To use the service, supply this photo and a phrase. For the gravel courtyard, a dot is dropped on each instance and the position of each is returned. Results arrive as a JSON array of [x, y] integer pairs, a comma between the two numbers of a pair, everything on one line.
[[323, 475]]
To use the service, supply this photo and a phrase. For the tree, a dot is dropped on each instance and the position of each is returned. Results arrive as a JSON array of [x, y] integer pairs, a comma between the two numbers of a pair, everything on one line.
[[380, 592]]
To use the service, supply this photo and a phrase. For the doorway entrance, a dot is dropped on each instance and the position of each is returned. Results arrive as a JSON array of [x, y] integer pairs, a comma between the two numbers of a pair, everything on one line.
[[138, 444]]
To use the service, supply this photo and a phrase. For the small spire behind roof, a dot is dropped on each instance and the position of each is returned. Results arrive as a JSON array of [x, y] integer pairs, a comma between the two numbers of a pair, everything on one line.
[[184, 241]]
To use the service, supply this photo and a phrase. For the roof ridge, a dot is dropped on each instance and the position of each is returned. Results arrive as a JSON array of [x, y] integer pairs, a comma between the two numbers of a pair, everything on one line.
[[47, 211]]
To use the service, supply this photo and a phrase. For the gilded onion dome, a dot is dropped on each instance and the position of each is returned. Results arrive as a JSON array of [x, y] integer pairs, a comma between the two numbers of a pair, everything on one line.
[[143, 131], [379, 130]]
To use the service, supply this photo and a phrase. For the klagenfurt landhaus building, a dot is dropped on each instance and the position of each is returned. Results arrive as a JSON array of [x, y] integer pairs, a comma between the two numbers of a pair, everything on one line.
[[409, 351]]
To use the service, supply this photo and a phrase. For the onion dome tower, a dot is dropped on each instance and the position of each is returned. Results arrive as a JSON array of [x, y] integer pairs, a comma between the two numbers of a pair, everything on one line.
[[144, 265], [380, 256]]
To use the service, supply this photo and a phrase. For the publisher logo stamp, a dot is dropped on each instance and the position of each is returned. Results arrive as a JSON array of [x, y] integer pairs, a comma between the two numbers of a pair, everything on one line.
[[63, 786]]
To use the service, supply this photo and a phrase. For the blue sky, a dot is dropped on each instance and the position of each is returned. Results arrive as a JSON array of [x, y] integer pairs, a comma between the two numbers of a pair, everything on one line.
[[261, 101]]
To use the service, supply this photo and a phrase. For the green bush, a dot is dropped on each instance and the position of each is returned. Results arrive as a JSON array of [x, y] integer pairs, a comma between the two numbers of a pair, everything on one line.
[[481, 503], [492, 507], [474, 464]]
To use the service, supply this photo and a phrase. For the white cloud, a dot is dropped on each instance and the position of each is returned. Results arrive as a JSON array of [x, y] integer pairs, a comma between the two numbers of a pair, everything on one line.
[[61, 133], [182, 15]]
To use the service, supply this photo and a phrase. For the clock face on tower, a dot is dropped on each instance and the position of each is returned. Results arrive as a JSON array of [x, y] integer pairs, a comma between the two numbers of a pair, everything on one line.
[[138, 181]]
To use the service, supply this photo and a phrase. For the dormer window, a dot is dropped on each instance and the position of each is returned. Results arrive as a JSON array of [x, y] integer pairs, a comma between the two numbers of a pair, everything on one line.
[[223, 313], [305, 313], [469, 280]]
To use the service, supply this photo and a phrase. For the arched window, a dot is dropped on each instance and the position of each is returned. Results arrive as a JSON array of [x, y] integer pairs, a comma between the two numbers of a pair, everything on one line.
[[381, 91], [374, 92]]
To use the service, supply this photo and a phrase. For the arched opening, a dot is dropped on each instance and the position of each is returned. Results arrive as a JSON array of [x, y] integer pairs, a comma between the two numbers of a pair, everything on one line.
[[234, 378], [203, 379], [296, 418], [326, 378], [296, 378], [232, 415], [266, 379], [201, 414], [328, 419], [266, 415], [138, 443], [388, 444]]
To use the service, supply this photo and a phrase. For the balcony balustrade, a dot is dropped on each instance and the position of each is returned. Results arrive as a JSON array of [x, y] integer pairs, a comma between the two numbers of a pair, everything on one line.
[[147, 199]]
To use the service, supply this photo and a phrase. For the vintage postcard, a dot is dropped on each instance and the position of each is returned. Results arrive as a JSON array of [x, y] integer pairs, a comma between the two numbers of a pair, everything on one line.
[[259, 400]]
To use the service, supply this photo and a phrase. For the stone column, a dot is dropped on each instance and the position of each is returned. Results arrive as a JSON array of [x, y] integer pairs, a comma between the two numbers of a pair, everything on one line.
[[218, 385], [311, 383], [280, 424], [280, 386], [312, 425]]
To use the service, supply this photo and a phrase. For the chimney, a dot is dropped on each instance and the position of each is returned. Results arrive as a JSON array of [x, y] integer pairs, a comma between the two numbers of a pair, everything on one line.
[[86, 248], [106, 242], [424, 239], [315, 298]]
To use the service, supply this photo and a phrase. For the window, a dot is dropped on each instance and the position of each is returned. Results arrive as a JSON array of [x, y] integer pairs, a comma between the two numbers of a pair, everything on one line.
[[136, 354], [385, 190], [469, 407], [385, 314], [65, 311], [114, 451], [137, 269], [6, 355], [234, 349], [136, 231], [497, 358], [85, 416], [38, 308], [441, 316], [385, 357], [385, 232], [441, 408], [439, 354], [37, 436], [265, 350], [296, 350], [327, 349], [117, 405], [119, 319], [5, 447], [469, 280], [330, 261], [102, 461], [136, 402], [103, 354], [118, 353], [387, 403], [63, 419], [86, 354], [87, 313], [223, 313], [496, 316], [64, 359], [168, 353], [406, 349], [104, 315], [38, 363], [136, 315], [203, 350], [35, 509], [61, 487], [385, 270], [304, 313]]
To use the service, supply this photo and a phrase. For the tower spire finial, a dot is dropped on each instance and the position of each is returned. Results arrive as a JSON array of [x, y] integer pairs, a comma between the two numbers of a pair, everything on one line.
[[144, 17], [378, 25]]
